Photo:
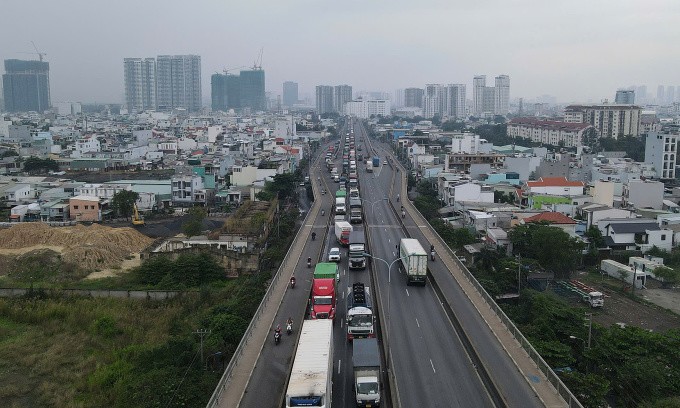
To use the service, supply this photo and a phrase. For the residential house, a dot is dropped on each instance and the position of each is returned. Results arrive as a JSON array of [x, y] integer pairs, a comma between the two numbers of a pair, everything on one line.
[[632, 234], [643, 194], [18, 193], [85, 208], [188, 190], [466, 190], [555, 219]]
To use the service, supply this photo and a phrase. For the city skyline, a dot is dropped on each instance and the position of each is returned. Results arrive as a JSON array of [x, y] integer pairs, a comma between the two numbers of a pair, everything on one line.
[[529, 47]]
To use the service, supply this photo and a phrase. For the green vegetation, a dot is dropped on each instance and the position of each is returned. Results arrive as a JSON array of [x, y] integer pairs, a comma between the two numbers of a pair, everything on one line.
[[539, 200], [123, 202], [283, 187], [65, 352], [36, 165], [551, 247], [633, 146], [194, 224]]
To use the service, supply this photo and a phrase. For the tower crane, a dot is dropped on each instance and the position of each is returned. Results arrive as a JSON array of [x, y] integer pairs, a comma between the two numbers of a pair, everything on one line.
[[40, 54]]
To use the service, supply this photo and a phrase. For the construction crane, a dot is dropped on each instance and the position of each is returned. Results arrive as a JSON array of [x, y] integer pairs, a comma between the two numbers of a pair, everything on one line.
[[227, 70], [40, 54], [136, 218], [258, 62]]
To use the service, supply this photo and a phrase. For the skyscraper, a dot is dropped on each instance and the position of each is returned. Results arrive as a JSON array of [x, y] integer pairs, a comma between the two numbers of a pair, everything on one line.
[[454, 101], [660, 95], [290, 93], [670, 94], [341, 95], [324, 99], [433, 100], [478, 85], [252, 89], [26, 86], [413, 97], [502, 95], [178, 82], [625, 97], [140, 83]]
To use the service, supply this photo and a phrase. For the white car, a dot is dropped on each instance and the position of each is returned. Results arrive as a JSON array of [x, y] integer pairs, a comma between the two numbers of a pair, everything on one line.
[[334, 255]]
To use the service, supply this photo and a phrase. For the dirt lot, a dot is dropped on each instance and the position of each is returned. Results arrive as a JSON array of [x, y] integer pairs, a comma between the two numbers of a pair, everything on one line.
[[619, 308]]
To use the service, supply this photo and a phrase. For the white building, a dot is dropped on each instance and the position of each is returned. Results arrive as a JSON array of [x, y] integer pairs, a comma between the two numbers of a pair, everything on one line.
[[491, 100], [86, 144], [246, 176], [502, 95], [188, 190], [469, 143], [69, 108], [364, 108], [558, 186], [661, 152], [140, 84], [466, 191]]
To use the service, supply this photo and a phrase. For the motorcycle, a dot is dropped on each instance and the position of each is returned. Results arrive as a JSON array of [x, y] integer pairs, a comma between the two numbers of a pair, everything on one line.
[[432, 256], [309, 262], [403, 214], [289, 328], [323, 212], [313, 236], [277, 337], [292, 282]]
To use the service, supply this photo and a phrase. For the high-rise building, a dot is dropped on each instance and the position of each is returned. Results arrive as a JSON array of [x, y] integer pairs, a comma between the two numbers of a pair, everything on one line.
[[178, 82], [413, 97], [478, 86], [398, 99], [502, 95], [26, 86], [488, 100], [610, 120], [670, 94], [341, 95], [454, 103], [290, 93], [140, 83], [225, 92], [434, 100], [660, 99], [625, 97], [324, 99], [252, 89], [641, 92], [661, 150], [365, 108]]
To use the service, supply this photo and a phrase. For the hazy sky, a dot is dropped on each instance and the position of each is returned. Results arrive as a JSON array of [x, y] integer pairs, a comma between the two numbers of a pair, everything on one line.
[[575, 50]]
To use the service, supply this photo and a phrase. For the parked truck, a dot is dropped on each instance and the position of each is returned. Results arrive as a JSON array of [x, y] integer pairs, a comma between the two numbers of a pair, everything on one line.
[[366, 362], [311, 377], [342, 232], [359, 312], [624, 272], [413, 261]]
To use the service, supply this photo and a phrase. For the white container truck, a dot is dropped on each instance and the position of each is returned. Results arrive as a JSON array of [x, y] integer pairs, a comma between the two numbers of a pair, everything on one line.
[[343, 229], [413, 261], [624, 272], [310, 378], [366, 361]]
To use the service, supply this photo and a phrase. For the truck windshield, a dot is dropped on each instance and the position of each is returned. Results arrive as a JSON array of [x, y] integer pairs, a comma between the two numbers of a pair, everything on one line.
[[360, 321], [367, 388], [322, 300]]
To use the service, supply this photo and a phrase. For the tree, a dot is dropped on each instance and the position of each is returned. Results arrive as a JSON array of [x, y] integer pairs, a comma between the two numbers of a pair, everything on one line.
[[552, 247], [123, 202], [194, 224], [670, 276], [38, 165]]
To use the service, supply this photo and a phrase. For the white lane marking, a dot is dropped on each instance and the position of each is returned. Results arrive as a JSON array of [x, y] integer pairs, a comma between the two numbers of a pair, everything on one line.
[[431, 363], [418, 324], [407, 294], [339, 361], [389, 240], [342, 322]]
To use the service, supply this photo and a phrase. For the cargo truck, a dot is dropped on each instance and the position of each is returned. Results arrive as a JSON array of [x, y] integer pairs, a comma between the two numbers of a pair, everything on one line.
[[310, 378], [355, 211], [326, 270], [376, 161], [322, 300], [340, 205], [413, 261], [369, 166], [366, 362], [359, 313], [357, 249], [342, 232], [624, 272]]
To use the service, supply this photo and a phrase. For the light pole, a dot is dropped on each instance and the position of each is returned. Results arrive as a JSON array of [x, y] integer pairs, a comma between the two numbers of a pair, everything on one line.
[[389, 291], [582, 341]]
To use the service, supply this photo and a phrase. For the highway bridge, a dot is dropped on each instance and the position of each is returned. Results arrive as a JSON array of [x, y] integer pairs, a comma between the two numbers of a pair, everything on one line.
[[444, 344]]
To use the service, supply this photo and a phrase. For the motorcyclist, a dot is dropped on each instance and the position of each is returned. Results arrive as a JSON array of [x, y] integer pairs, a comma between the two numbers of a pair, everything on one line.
[[432, 254], [398, 199], [313, 236], [309, 262], [277, 330], [403, 214], [292, 281]]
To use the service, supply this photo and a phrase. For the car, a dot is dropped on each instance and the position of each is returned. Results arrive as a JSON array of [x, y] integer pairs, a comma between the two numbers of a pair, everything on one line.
[[384, 162], [334, 255], [302, 184]]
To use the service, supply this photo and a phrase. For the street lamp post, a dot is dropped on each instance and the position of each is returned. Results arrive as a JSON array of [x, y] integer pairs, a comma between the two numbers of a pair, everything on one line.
[[389, 291], [582, 341]]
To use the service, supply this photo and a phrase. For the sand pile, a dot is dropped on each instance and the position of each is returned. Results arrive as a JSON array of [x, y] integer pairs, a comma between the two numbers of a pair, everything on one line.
[[90, 247]]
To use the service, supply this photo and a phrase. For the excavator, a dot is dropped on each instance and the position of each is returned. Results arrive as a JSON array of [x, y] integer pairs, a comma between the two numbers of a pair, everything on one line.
[[136, 218]]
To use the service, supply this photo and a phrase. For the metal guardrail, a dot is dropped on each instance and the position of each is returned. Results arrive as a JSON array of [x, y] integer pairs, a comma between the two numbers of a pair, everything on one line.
[[228, 371], [552, 377]]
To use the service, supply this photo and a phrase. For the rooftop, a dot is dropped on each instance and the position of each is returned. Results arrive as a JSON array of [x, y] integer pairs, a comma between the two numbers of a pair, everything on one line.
[[551, 217], [554, 182]]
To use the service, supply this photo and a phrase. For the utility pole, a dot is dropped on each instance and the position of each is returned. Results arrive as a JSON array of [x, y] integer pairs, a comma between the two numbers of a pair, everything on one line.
[[590, 327], [202, 333]]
